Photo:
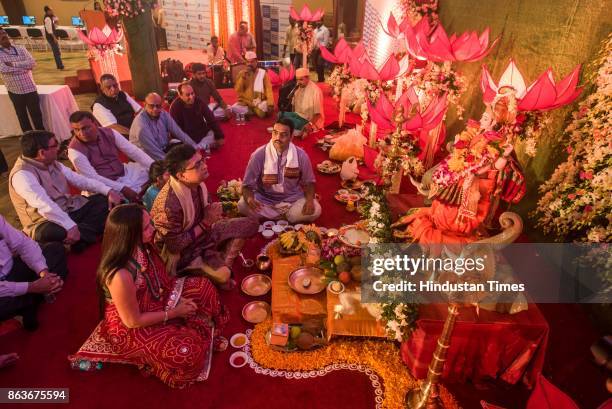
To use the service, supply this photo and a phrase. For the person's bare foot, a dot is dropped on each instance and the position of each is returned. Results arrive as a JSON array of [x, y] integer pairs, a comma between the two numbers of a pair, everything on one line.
[[8, 359]]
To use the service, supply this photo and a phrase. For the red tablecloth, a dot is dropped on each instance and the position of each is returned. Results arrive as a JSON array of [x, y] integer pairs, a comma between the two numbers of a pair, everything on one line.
[[484, 346]]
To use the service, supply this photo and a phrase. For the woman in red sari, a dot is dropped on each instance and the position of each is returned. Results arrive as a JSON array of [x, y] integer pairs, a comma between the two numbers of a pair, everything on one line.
[[167, 326]]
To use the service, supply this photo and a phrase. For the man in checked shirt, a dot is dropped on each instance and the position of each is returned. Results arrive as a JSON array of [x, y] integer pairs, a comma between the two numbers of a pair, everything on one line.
[[16, 66]]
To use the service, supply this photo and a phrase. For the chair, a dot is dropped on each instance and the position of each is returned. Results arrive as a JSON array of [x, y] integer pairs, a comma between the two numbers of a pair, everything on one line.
[[65, 40], [15, 35], [37, 38]]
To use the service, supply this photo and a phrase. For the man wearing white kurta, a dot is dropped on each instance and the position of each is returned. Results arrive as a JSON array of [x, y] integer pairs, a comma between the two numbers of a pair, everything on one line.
[[94, 152], [39, 187]]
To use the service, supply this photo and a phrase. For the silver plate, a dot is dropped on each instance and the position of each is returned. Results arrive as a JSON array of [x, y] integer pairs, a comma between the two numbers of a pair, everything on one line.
[[314, 274]]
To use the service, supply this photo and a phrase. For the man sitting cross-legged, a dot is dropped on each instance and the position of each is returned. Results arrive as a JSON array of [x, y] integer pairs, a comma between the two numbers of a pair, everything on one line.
[[190, 230], [27, 273], [195, 118], [153, 128], [114, 108], [48, 211], [307, 104], [94, 152], [279, 180], [254, 90]]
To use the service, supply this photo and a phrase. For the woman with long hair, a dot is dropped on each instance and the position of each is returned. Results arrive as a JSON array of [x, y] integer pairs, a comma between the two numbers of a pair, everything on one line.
[[166, 326]]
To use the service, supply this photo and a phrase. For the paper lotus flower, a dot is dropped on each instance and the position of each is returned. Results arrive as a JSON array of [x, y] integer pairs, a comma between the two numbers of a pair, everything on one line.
[[306, 14], [393, 29], [382, 114], [283, 76], [438, 47], [542, 95], [342, 53], [99, 38], [391, 69]]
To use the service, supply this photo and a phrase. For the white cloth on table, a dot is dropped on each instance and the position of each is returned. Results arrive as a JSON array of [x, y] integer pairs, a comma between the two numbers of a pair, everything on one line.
[[56, 103], [136, 173], [27, 186], [106, 117]]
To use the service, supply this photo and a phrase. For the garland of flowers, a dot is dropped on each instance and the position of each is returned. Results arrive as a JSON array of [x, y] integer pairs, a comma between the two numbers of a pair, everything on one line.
[[399, 318], [577, 199], [382, 357], [420, 8], [376, 214], [124, 8], [339, 78], [305, 37]]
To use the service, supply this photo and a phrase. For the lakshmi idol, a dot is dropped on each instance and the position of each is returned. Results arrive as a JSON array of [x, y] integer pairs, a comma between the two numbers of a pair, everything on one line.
[[466, 186]]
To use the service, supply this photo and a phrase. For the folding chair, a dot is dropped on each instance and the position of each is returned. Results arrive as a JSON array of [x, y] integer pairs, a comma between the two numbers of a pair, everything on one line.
[[37, 37], [15, 35]]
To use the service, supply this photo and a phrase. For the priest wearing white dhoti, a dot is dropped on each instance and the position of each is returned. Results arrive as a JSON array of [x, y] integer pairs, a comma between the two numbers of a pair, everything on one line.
[[279, 181], [308, 113], [94, 152]]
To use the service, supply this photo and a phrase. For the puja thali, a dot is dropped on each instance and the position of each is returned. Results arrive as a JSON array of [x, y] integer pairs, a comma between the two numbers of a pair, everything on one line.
[[353, 236], [307, 280]]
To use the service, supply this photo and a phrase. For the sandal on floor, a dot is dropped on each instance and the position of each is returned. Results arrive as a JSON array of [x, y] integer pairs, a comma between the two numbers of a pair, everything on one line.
[[220, 343]]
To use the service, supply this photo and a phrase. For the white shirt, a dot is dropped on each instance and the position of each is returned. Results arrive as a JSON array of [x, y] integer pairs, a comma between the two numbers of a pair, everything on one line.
[[27, 186], [321, 35], [14, 243], [106, 117], [84, 167], [49, 25]]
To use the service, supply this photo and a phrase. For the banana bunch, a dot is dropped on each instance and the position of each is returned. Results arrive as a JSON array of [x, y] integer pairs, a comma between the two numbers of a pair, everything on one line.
[[294, 241]]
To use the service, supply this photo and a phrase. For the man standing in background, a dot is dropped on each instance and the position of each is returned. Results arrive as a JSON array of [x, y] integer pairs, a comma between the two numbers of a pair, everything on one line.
[[16, 66], [50, 23], [321, 38]]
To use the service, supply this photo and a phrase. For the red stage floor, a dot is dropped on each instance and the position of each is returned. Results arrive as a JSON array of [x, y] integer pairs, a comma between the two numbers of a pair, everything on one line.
[[67, 323]]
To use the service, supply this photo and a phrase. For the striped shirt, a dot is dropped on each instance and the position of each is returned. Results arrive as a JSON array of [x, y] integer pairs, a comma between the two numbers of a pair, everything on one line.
[[18, 76]]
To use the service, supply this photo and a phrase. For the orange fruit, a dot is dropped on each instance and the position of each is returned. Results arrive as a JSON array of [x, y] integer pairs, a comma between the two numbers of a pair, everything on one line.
[[344, 277]]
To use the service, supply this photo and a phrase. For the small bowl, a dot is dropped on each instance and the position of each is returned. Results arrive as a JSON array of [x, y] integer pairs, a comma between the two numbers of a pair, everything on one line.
[[236, 356], [332, 232], [342, 192], [323, 230], [268, 224], [283, 223], [263, 262], [278, 228], [268, 234], [261, 228], [235, 338], [289, 228], [298, 226], [335, 287]]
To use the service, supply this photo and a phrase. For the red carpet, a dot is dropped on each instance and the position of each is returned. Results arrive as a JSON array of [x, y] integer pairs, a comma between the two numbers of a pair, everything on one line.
[[67, 323]]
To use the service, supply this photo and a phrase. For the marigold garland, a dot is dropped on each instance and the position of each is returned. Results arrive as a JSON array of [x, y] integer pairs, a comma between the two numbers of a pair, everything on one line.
[[382, 357]]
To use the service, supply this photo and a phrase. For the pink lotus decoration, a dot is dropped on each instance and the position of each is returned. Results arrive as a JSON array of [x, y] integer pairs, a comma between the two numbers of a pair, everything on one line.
[[282, 77], [438, 47], [391, 69], [542, 95], [306, 14], [342, 53], [425, 120], [393, 29], [360, 64], [104, 38]]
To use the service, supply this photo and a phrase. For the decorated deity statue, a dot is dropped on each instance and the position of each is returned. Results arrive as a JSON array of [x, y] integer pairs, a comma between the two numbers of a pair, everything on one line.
[[466, 186]]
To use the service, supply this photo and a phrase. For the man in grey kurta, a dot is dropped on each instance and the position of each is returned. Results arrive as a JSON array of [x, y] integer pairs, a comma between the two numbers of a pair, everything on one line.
[[279, 181], [153, 128]]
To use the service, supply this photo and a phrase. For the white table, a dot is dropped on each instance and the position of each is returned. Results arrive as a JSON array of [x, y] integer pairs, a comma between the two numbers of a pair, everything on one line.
[[56, 104]]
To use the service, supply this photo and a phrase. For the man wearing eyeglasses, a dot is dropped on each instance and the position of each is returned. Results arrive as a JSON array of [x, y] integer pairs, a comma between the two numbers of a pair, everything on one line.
[[279, 181], [153, 128], [40, 192], [190, 230]]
